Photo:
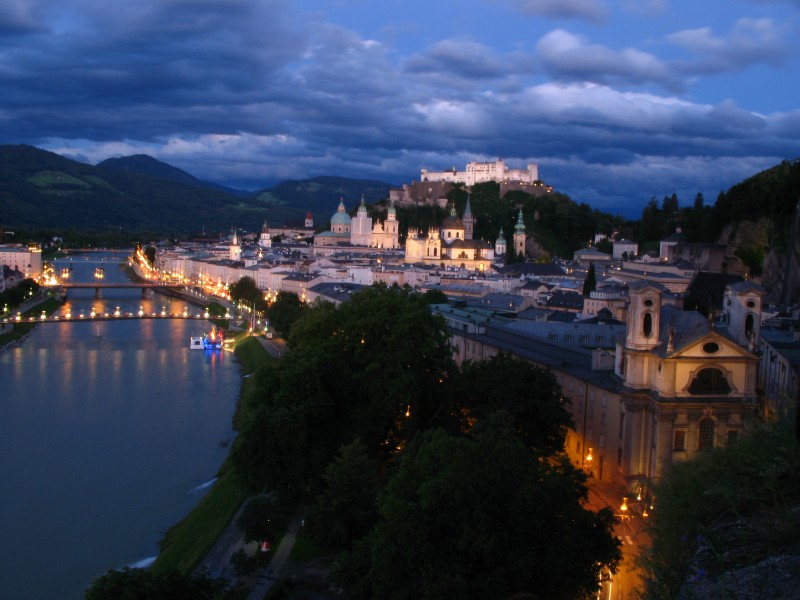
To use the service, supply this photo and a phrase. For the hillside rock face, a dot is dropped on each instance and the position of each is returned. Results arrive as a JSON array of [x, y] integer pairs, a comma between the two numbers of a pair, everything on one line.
[[782, 267], [755, 556]]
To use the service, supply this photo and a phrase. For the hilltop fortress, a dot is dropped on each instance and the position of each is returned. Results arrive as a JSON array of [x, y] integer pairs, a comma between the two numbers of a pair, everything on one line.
[[433, 186]]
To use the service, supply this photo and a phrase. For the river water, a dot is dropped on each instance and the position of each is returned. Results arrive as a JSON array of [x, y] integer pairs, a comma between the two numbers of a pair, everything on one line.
[[109, 434]]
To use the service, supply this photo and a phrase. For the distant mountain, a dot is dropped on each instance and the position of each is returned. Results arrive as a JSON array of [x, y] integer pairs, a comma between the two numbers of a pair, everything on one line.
[[43, 190], [321, 195], [147, 165], [46, 191]]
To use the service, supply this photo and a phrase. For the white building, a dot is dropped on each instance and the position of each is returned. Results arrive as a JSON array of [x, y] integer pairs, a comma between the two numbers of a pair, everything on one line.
[[480, 172], [26, 260]]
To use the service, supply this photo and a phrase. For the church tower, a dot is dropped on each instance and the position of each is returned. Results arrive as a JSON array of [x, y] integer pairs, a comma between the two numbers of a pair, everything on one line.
[[519, 235], [309, 222], [500, 247], [264, 238], [361, 227], [644, 315], [742, 308], [235, 250], [469, 221]]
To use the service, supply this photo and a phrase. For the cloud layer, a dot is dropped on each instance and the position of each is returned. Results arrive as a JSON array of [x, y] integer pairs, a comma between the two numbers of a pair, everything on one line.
[[616, 102]]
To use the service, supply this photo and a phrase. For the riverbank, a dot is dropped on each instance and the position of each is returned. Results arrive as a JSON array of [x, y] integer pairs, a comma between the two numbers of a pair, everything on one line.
[[15, 333]]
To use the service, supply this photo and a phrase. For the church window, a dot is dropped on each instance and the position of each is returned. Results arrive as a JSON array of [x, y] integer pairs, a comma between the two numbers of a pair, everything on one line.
[[648, 302], [749, 325], [679, 440], [647, 325], [706, 433], [751, 304], [710, 381], [710, 347]]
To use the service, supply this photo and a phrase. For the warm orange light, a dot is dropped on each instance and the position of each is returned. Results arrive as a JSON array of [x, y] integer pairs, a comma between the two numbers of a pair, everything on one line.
[[624, 506]]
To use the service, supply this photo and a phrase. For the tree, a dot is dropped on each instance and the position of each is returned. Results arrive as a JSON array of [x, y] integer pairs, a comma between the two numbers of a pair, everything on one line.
[[590, 283], [263, 518], [528, 393], [143, 584], [246, 290], [480, 518], [346, 509], [284, 311]]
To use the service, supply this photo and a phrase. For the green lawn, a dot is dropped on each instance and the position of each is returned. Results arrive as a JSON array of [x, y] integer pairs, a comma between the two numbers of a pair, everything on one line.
[[190, 540]]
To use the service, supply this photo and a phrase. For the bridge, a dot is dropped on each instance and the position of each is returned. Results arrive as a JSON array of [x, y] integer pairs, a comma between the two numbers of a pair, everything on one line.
[[117, 315], [146, 287]]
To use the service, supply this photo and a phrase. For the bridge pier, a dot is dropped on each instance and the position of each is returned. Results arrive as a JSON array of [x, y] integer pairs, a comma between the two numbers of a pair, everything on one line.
[[147, 293], [98, 293]]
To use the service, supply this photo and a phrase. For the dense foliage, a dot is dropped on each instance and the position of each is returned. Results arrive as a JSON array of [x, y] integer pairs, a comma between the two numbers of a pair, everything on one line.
[[142, 584], [477, 517], [757, 477], [404, 458]]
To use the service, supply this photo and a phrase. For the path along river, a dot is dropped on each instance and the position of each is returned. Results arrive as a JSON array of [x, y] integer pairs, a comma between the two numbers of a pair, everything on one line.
[[109, 434]]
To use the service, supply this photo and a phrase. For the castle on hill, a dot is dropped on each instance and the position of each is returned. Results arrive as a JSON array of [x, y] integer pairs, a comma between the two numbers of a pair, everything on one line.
[[433, 186]]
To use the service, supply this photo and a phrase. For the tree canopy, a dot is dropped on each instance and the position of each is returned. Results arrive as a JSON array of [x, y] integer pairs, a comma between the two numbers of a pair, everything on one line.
[[479, 518]]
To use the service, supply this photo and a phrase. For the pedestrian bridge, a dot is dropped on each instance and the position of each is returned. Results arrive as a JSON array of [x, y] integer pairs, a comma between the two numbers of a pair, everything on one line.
[[147, 287], [116, 315]]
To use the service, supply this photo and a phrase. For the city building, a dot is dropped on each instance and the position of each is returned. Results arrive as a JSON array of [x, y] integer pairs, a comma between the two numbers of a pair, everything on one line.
[[451, 245], [25, 259], [480, 172]]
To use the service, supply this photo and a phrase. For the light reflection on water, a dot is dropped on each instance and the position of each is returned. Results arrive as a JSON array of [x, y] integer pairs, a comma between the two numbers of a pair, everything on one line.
[[102, 439]]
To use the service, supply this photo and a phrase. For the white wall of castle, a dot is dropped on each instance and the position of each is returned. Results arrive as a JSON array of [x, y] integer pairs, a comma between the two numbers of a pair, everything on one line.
[[480, 172]]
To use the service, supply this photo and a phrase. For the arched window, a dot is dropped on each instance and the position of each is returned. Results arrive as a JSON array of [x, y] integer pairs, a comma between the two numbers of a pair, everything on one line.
[[647, 325], [710, 381], [748, 325], [705, 439]]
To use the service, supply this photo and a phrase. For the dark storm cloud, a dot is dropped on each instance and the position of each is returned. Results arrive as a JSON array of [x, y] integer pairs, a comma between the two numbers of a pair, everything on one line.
[[246, 92]]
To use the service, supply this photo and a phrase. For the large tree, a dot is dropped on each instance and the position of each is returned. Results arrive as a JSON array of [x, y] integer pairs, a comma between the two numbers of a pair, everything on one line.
[[528, 393], [143, 584], [481, 518]]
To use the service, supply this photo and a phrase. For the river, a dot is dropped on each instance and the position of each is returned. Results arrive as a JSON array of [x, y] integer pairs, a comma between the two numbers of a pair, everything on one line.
[[109, 434]]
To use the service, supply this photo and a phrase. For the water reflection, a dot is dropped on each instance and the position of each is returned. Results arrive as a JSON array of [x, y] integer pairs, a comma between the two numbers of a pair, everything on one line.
[[101, 439]]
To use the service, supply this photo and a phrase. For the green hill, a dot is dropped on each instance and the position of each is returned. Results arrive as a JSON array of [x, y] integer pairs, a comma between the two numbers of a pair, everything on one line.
[[40, 190], [321, 195]]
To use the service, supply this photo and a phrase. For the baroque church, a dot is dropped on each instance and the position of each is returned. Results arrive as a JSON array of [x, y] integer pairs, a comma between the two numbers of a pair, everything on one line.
[[451, 245], [671, 384], [359, 230]]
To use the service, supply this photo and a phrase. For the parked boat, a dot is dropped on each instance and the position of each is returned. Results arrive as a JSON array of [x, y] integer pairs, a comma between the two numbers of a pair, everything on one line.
[[212, 340]]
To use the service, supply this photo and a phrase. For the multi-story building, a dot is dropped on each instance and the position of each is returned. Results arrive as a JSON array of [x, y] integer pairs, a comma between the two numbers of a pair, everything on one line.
[[644, 394], [480, 172], [25, 259]]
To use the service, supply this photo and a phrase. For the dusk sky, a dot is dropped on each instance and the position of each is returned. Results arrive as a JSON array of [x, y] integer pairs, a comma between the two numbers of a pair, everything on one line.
[[615, 100]]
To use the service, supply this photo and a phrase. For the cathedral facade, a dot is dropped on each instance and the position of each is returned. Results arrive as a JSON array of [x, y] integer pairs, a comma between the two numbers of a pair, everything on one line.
[[360, 230], [450, 245]]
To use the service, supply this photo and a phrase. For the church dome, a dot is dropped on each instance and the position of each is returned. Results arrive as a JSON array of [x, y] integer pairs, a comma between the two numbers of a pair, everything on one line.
[[453, 221], [340, 217]]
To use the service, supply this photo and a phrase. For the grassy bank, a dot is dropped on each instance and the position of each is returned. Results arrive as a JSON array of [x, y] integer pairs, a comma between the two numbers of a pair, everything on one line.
[[189, 541], [18, 330]]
